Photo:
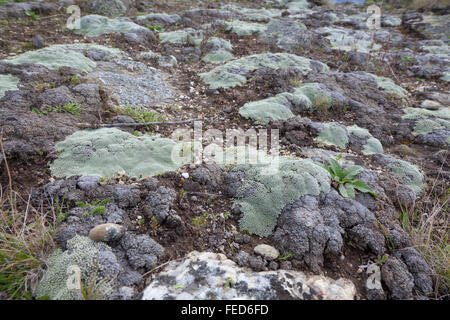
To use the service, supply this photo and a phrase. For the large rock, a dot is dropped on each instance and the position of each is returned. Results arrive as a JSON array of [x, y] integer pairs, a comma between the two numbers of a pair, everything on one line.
[[206, 275], [108, 7]]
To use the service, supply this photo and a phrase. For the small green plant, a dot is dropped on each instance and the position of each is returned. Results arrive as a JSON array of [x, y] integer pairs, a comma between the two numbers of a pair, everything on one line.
[[31, 14], [321, 103], [140, 114], [75, 80], [200, 221], [284, 257], [72, 108], [345, 179], [228, 283], [179, 286], [155, 28], [382, 260], [153, 223], [98, 206]]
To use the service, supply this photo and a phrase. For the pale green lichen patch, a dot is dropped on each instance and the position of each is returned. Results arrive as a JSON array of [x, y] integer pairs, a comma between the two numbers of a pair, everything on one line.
[[264, 111], [219, 50], [184, 36], [82, 255], [333, 134], [427, 121], [408, 173], [348, 40], [70, 55], [242, 28], [218, 56], [8, 83], [389, 86], [371, 145], [280, 106], [265, 192], [234, 73], [96, 25], [107, 151]]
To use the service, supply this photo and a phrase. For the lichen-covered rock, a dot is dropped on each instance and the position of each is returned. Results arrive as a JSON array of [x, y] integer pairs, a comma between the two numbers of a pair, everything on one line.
[[86, 255], [288, 34], [242, 28], [397, 279], [235, 73], [408, 173], [8, 82], [141, 250], [348, 40], [312, 227], [281, 107], [95, 25], [430, 127], [266, 251], [132, 83], [108, 7], [185, 36], [217, 50], [105, 152], [418, 267], [67, 55], [264, 194], [209, 275], [159, 202]]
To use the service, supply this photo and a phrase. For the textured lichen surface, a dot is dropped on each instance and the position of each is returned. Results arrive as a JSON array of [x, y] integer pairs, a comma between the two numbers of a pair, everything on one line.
[[265, 192], [333, 134], [8, 82], [107, 151], [70, 55], [95, 25], [81, 253], [235, 73], [409, 174]]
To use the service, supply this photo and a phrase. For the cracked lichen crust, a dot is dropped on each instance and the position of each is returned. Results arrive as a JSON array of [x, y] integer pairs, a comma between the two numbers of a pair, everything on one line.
[[107, 151], [8, 83], [208, 275], [264, 194], [184, 36], [67, 55], [81, 253], [280, 107], [95, 25], [235, 73]]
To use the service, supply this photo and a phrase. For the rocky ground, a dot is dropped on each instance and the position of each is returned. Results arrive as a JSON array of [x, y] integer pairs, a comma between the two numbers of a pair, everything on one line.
[[139, 225]]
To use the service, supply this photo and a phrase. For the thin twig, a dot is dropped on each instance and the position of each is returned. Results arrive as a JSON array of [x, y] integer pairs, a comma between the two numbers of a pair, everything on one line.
[[161, 265]]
